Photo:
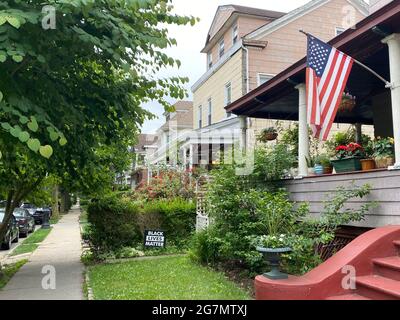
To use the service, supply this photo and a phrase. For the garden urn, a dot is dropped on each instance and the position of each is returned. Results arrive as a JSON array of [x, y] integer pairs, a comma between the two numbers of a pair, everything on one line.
[[273, 258]]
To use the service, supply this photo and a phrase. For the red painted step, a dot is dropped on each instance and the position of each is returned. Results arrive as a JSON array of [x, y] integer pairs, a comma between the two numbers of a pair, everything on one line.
[[388, 267], [378, 288], [352, 296], [397, 243]]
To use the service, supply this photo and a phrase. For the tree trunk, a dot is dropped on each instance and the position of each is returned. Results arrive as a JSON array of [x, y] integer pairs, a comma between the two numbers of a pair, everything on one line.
[[55, 199]]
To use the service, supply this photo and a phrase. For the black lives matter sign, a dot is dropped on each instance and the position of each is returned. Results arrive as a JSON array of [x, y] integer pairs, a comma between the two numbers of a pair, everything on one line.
[[154, 239]]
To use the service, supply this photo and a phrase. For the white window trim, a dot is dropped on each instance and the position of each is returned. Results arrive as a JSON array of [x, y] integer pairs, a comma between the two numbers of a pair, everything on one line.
[[200, 116], [209, 60], [261, 74], [228, 84], [209, 111], [235, 26], [222, 41]]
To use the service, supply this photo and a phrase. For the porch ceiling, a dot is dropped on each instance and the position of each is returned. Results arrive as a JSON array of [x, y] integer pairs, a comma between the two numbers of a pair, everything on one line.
[[278, 99]]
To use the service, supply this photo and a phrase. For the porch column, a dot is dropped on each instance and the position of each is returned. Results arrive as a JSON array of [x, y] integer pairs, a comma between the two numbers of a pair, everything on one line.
[[304, 144], [243, 133], [184, 158], [393, 41], [191, 155]]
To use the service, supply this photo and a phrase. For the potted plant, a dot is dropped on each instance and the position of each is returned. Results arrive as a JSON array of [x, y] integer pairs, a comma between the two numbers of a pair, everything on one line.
[[323, 165], [268, 134], [272, 247], [369, 162], [348, 158], [311, 165], [348, 103], [384, 152]]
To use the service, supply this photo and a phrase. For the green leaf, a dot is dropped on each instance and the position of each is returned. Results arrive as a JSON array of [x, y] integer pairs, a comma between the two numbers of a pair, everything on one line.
[[23, 120], [6, 126], [41, 59], [0, 155], [3, 57], [3, 20], [15, 131], [14, 22], [46, 151], [63, 141], [33, 125], [34, 144], [17, 58], [24, 136], [53, 136], [1, 96]]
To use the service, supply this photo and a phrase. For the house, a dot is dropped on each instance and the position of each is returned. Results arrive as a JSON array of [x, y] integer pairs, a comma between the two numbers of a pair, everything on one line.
[[145, 147], [375, 42], [245, 48], [178, 124]]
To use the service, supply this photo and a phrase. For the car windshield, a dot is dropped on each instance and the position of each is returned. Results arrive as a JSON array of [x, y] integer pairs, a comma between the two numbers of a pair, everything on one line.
[[19, 213]]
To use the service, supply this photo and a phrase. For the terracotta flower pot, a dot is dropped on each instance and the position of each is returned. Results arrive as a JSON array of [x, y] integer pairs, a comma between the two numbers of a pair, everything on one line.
[[368, 164], [382, 163], [328, 169]]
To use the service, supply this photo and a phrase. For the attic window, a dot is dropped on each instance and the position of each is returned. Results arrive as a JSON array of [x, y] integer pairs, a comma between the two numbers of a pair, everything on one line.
[[339, 30], [221, 48], [235, 34]]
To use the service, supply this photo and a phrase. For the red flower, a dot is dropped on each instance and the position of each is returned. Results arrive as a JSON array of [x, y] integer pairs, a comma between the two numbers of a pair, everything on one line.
[[341, 148]]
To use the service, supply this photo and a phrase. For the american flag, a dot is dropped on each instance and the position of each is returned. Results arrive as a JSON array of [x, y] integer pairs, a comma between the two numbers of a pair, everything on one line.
[[327, 73]]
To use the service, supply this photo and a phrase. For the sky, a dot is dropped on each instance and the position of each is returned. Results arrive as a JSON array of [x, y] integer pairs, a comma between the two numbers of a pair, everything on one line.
[[192, 39]]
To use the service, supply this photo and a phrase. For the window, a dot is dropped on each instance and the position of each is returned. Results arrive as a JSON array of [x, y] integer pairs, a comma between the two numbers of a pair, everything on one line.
[[235, 34], [200, 117], [339, 30], [209, 60], [221, 48], [228, 97], [263, 78], [209, 112]]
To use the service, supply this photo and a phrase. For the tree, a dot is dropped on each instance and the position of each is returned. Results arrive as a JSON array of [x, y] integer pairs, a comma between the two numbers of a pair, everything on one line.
[[67, 92]]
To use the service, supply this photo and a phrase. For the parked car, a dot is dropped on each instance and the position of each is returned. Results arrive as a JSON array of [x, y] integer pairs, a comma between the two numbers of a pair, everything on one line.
[[30, 207], [26, 222], [3, 203], [40, 213], [12, 234]]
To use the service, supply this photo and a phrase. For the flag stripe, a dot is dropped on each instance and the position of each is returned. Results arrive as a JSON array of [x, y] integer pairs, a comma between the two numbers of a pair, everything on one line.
[[348, 67], [327, 73]]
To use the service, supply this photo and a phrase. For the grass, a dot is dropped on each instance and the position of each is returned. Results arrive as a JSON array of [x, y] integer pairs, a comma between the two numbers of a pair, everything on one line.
[[54, 220], [31, 243], [167, 278], [9, 271]]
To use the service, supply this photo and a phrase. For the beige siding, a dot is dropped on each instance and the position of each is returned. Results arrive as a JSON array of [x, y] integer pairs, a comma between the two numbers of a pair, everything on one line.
[[222, 15], [214, 88], [286, 45]]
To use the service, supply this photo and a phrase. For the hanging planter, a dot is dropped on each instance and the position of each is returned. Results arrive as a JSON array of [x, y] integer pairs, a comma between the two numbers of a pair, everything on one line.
[[269, 134], [348, 103]]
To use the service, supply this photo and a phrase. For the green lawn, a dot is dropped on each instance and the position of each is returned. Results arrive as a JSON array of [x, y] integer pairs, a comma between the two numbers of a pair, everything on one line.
[[9, 271], [166, 278], [31, 243]]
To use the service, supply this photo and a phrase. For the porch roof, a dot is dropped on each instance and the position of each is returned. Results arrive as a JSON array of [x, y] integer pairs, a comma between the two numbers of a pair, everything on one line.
[[278, 98]]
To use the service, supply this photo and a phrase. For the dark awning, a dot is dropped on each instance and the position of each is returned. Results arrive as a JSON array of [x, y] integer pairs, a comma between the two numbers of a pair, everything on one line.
[[278, 98]]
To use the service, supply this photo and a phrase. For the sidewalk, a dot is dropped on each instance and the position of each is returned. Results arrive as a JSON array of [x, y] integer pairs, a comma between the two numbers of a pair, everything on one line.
[[61, 250]]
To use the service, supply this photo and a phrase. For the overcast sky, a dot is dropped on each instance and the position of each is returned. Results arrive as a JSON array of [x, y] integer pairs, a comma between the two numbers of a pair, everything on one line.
[[192, 39]]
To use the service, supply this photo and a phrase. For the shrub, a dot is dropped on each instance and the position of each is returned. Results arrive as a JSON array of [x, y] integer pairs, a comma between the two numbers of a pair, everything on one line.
[[177, 217], [113, 224]]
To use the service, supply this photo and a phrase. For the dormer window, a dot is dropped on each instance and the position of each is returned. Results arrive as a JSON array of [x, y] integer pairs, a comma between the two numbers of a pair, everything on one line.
[[209, 60], [221, 48], [235, 34]]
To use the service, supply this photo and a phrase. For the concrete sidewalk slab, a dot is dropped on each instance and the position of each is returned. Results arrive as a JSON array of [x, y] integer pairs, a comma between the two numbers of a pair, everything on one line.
[[61, 250]]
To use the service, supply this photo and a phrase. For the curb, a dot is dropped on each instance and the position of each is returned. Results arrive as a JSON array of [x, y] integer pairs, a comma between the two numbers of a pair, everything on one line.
[[89, 289]]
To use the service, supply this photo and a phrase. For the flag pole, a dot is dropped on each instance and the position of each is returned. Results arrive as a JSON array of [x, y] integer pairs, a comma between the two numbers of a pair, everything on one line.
[[387, 83]]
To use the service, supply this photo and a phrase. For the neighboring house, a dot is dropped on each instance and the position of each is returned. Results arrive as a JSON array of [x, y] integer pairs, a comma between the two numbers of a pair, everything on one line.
[[154, 151], [245, 48], [145, 147], [170, 135]]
